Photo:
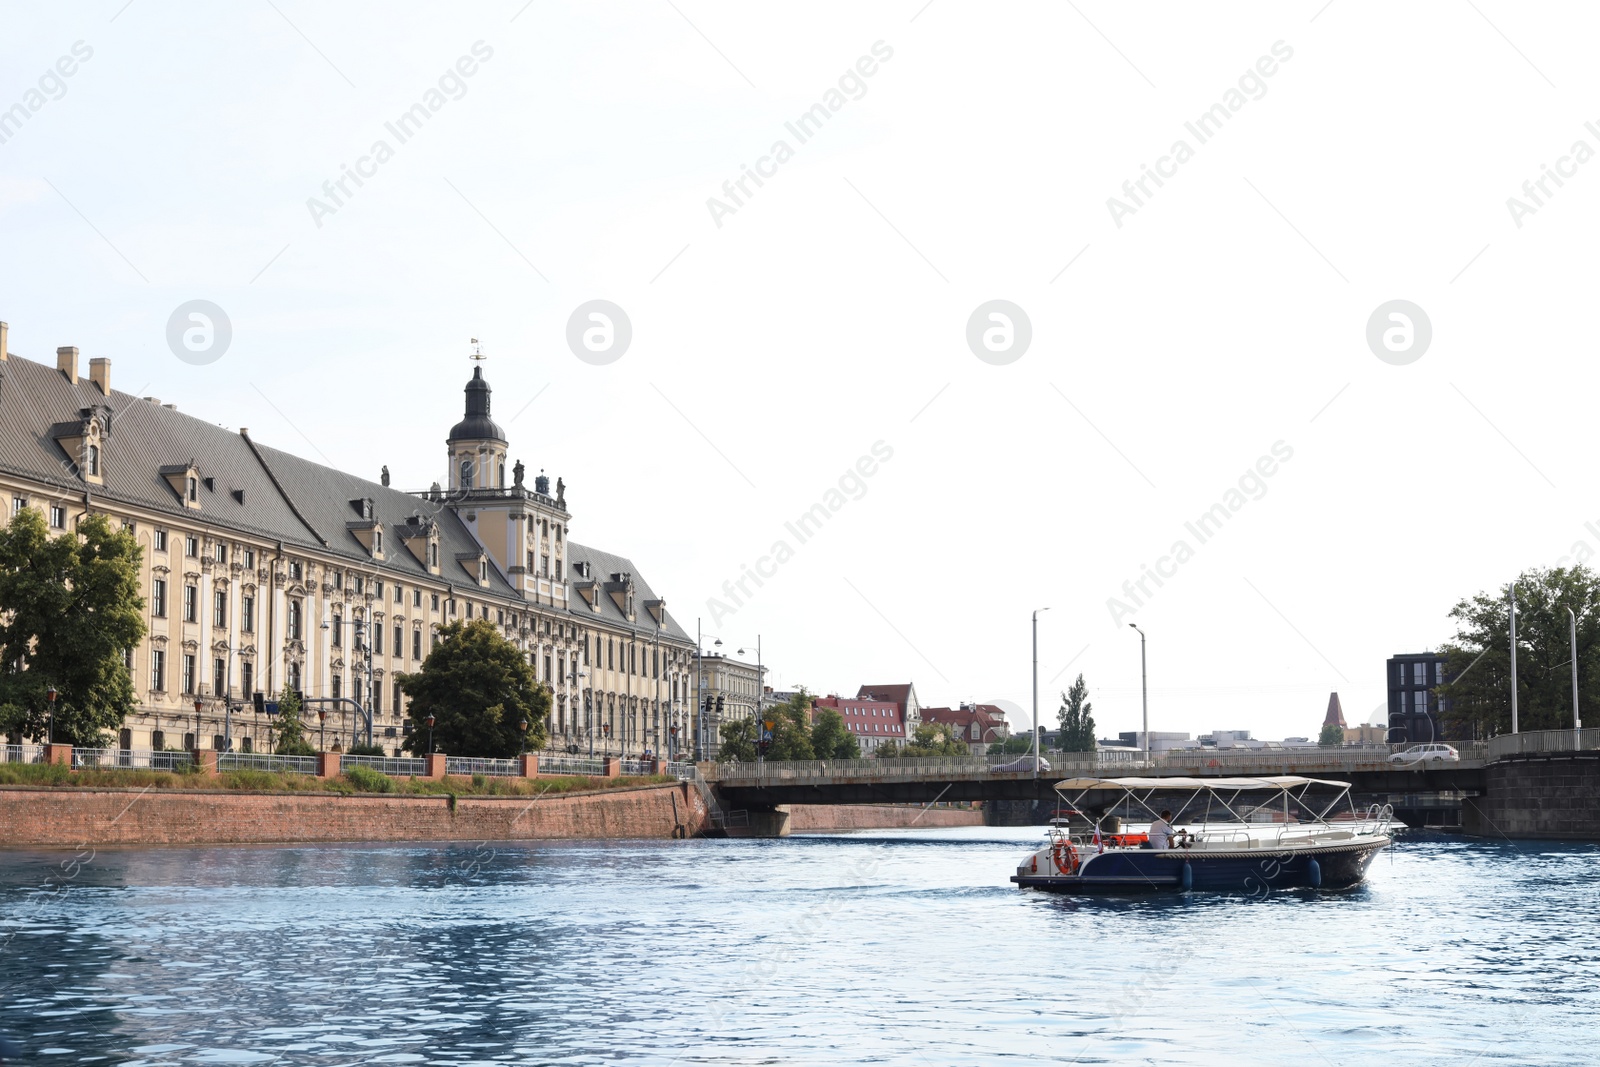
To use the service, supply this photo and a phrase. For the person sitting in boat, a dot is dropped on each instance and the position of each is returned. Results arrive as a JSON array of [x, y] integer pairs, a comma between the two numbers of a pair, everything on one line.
[[1161, 832]]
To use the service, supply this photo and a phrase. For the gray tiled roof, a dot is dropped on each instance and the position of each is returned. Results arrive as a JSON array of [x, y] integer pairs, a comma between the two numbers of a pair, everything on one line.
[[37, 401], [603, 565]]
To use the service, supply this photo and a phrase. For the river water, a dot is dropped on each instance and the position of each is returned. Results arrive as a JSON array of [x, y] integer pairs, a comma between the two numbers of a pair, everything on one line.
[[889, 947]]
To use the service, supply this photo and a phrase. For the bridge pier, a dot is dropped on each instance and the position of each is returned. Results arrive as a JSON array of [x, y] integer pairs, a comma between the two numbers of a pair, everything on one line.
[[774, 823]]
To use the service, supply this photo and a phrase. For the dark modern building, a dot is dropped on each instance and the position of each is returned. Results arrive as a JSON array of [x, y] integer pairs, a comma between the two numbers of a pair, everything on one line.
[[1413, 706]]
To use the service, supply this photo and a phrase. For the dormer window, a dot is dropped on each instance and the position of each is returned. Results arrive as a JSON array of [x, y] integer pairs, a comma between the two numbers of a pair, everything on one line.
[[483, 571], [377, 542], [92, 461], [433, 554], [366, 509], [194, 489]]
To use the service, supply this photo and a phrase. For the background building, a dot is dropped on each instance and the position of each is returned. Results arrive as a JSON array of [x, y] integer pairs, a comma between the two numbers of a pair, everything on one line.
[[872, 721], [263, 571], [979, 725], [1413, 706]]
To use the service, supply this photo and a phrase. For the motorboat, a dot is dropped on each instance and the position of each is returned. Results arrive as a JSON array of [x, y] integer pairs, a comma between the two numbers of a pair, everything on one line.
[[1245, 835]]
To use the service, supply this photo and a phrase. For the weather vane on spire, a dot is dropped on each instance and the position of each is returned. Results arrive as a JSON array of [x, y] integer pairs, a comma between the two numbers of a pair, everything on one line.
[[477, 352]]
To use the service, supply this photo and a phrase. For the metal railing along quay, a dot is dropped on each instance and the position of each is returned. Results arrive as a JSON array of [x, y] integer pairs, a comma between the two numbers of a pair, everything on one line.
[[593, 766], [266, 761], [469, 765], [393, 766], [23, 754], [129, 759]]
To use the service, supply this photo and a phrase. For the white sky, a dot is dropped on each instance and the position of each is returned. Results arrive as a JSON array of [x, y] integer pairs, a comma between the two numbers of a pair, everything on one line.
[[829, 312]]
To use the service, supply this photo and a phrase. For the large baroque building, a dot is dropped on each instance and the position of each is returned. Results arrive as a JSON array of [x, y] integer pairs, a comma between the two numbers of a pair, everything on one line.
[[263, 571]]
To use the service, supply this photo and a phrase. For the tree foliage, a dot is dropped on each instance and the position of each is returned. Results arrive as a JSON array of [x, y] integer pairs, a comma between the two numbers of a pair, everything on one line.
[[1479, 657], [790, 728], [738, 742], [929, 739], [291, 727], [70, 610], [1077, 720], [1332, 735], [478, 686], [830, 739]]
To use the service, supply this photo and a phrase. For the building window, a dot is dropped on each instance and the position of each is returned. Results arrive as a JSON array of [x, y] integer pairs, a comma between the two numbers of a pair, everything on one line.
[[483, 571], [161, 540], [399, 595], [558, 570], [58, 516], [294, 620], [433, 556], [466, 474], [338, 686], [502, 481], [377, 588], [416, 644], [219, 677], [158, 740], [158, 671], [338, 580], [416, 599], [188, 673], [191, 546], [293, 676], [194, 489], [294, 570], [17, 504], [246, 745], [377, 639], [338, 631], [220, 553], [469, 609], [398, 697], [158, 598], [250, 558], [247, 678], [127, 526], [191, 603], [94, 461], [399, 639], [219, 608], [247, 614], [377, 699]]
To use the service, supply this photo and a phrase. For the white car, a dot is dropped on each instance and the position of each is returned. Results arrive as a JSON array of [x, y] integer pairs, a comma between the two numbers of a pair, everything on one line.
[[1427, 754], [1022, 763]]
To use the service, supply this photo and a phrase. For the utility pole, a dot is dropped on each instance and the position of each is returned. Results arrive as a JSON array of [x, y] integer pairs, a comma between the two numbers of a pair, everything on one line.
[[1572, 635], [1144, 692], [699, 696], [1036, 690], [1511, 608]]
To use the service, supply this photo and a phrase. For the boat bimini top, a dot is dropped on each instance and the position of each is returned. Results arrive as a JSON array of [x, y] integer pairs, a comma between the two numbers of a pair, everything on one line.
[[1218, 792]]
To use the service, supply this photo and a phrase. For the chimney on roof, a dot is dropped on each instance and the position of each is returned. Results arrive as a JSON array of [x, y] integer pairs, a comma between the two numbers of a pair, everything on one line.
[[5, 332], [100, 374], [170, 407], [67, 362]]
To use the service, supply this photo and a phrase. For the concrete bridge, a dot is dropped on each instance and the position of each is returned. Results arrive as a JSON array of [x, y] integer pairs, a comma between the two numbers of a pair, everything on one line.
[[1513, 761]]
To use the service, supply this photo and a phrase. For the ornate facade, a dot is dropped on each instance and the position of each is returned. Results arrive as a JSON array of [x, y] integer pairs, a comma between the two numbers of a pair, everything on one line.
[[263, 571]]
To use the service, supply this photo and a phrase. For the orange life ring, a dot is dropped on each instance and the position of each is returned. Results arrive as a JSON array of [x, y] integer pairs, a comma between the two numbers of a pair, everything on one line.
[[1066, 858]]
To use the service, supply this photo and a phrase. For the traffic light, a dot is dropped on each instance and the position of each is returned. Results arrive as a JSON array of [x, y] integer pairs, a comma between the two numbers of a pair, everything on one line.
[[719, 705]]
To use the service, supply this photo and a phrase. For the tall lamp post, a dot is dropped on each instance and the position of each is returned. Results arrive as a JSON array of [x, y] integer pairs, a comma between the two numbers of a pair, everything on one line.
[[1572, 635], [199, 705], [429, 721], [1144, 693], [1511, 612], [50, 695], [1036, 690], [322, 718]]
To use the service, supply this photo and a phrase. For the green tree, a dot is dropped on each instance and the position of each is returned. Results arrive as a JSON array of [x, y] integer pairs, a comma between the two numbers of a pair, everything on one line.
[[1013, 745], [830, 739], [70, 610], [738, 742], [929, 739], [1332, 735], [478, 687], [790, 725], [1077, 720], [1479, 657], [291, 728]]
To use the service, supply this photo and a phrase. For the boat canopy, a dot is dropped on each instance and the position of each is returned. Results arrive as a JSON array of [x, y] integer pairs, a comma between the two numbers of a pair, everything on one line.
[[1282, 781]]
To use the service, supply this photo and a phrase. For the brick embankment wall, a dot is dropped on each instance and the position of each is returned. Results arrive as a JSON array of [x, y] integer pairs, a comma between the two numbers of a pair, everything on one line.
[[1555, 797], [810, 818], [66, 817]]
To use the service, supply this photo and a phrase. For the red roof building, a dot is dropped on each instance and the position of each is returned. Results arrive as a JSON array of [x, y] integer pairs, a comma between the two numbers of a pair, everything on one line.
[[979, 725], [871, 721]]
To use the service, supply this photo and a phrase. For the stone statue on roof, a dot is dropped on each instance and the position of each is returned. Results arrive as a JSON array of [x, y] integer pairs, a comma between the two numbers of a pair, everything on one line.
[[561, 493], [517, 473], [385, 474]]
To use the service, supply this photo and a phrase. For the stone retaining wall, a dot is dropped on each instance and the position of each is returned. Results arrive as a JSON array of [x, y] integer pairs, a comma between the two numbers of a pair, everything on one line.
[[1556, 796], [812, 818], [66, 817]]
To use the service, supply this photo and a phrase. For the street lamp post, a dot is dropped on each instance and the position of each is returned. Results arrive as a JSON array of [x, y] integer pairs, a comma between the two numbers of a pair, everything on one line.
[[50, 695], [1144, 693], [1572, 635], [1036, 690], [429, 721], [1511, 613], [322, 718], [199, 705]]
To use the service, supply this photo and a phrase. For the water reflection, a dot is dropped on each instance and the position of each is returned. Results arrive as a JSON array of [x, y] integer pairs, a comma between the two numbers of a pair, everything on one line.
[[888, 947]]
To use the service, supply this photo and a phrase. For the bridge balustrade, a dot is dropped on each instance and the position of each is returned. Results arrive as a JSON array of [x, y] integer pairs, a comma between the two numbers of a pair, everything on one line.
[[1541, 741]]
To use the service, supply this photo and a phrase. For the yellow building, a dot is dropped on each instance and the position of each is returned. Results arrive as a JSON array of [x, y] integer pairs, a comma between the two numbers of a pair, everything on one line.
[[263, 571]]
